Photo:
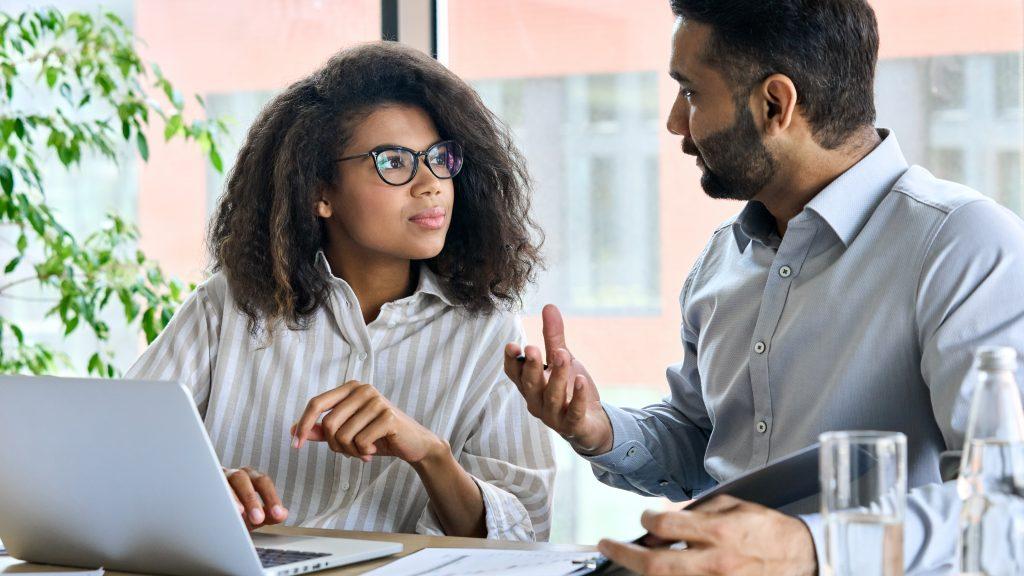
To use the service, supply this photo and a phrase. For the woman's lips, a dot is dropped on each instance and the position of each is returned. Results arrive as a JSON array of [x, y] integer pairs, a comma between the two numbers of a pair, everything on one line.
[[430, 219]]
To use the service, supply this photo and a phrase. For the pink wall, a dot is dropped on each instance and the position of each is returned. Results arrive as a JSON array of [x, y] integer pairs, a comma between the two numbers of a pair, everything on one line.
[[262, 45]]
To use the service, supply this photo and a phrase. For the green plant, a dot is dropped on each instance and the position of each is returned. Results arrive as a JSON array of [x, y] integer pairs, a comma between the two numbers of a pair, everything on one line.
[[88, 63]]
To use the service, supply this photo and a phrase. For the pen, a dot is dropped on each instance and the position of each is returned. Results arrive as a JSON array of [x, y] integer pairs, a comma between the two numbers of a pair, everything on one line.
[[522, 358]]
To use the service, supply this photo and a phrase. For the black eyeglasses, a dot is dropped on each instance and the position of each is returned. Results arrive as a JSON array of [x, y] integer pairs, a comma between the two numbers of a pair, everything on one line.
[[397, 165]]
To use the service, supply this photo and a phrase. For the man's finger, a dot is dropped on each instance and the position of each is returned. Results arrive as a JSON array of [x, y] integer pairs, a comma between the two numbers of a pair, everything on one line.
[[513, 367], [656, 562], [241, 483], [681, 525], [718, 504], [555, 391], [532, 379], [272, 506], [577, 410], [553, 330], [316, 406]]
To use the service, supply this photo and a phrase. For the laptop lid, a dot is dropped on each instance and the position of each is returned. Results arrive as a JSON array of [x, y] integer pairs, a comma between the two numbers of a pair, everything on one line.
[[115, 473]]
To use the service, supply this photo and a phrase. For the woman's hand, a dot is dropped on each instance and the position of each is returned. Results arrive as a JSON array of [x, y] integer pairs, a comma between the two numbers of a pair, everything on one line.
[[255, 497], [360, 422]]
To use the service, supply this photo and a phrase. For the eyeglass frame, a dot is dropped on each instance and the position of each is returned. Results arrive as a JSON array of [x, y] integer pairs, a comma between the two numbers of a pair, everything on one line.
[[415, 164]]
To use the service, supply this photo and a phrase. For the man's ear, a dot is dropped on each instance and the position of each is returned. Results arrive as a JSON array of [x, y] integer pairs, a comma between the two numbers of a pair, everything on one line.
[[778, 98]]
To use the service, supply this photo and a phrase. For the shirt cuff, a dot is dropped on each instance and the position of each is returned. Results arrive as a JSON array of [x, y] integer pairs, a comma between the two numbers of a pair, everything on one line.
[[817, 528], [505, 516], [628, 453]]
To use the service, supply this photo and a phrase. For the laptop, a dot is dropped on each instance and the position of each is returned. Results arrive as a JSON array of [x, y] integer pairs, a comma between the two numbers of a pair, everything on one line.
[[121, 474]]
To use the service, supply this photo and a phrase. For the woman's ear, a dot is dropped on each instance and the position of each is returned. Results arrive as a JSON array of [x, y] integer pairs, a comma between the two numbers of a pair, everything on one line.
[[323, 208]]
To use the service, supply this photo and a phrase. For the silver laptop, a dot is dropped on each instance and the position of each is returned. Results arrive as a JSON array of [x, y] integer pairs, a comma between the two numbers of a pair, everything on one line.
[[121, 474]]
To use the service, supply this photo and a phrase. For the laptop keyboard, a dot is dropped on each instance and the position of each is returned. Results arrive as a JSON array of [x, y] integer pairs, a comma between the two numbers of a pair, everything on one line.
[[271, 557]]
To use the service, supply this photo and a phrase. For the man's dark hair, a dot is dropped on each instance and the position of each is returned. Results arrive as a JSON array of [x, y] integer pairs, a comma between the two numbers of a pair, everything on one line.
[[828, 48]]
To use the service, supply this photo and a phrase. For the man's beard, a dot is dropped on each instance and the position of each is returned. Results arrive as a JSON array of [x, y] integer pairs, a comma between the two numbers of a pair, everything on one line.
[[743, 166]]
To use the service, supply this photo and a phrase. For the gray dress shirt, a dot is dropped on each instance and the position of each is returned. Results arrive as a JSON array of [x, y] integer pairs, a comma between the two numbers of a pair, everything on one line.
[[865, 315]]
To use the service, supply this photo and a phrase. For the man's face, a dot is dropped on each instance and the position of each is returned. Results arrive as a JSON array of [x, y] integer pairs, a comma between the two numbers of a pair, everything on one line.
[[715, 120]]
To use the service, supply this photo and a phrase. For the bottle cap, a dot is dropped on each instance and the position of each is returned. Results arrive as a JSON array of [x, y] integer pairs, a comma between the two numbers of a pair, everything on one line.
[[996, 358]]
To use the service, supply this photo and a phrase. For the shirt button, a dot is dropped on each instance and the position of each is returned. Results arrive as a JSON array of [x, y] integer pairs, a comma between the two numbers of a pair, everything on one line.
[[663, 483], [392, 323], [344, 486], [631, 451], [760, 347], [762, 427], [362, 356], [785, 271]]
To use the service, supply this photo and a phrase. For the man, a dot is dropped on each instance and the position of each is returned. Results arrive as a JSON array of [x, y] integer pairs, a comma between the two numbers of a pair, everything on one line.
[[849, 293]]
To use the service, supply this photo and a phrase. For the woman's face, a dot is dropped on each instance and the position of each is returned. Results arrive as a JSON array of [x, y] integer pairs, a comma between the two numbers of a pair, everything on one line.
[[374, 219]]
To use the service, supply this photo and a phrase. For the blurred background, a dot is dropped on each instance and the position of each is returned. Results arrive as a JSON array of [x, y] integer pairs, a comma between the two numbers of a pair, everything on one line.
[[584, 86]]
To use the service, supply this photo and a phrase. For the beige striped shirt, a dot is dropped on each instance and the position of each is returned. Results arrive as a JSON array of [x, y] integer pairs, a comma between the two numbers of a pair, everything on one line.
[[431, 359]]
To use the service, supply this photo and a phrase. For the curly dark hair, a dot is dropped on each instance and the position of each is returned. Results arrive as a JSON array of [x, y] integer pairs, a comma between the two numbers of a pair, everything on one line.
[[265, 234]]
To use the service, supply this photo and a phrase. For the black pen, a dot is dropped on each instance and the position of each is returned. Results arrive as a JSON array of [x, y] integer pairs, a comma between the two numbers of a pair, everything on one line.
[[522, 358]]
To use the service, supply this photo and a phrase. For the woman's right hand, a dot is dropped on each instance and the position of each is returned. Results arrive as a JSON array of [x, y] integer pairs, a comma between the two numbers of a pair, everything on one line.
[[255, 497]]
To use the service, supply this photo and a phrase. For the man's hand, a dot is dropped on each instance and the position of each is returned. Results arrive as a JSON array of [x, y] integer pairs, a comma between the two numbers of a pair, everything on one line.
[[724, 536], [360, 422], [565, 398], [255, 497]]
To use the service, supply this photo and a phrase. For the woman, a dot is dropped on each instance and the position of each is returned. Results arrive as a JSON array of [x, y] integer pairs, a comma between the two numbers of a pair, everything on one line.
[[372, 231]]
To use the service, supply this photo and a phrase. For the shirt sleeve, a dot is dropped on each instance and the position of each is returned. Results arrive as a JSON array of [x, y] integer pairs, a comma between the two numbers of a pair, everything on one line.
[[659, 450], [968, 297], [509, 455], [186, 349]]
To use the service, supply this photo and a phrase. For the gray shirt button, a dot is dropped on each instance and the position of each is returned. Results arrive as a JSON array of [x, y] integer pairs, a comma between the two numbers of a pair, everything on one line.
[[362, 356], [631, 451], [760, 347], [762, 427], [785, 271]]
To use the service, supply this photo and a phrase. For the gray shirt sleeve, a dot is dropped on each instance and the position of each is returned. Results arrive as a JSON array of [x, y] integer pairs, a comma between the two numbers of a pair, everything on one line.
[[659, 450]]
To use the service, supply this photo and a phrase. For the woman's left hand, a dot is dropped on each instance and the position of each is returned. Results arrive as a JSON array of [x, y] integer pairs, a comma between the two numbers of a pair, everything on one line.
[[360, 422]]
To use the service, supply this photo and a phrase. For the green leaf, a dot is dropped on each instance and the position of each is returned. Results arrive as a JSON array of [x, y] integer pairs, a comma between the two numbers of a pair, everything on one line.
[[143, 145], [12, 264], [51, 76], [174, 126], [71, 325], [6, 178], [215, 159], [18, 334], [95, 364], [22, 243]]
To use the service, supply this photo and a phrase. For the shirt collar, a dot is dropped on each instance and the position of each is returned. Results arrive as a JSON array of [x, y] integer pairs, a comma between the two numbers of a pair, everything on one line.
[[428, 282], [845, 205]]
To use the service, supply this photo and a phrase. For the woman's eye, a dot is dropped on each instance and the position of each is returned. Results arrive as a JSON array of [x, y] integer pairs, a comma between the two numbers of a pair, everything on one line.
[[390, 161]]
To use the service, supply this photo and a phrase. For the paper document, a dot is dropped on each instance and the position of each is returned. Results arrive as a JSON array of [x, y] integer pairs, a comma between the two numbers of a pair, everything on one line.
[[470, 561], [96, 572]]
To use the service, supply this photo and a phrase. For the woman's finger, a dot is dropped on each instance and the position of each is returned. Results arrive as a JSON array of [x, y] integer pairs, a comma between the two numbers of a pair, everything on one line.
[[316, 406], [241, 483], [355, 424], [273, 508], [381, 427]]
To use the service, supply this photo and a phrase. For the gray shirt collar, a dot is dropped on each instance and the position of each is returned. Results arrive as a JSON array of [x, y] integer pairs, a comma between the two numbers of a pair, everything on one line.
[[845, 204]]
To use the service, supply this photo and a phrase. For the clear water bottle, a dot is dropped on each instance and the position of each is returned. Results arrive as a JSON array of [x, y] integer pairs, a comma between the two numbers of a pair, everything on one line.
[[991, 483]]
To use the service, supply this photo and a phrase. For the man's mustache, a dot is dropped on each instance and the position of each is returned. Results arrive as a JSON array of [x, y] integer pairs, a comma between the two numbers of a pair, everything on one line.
[[690, 148]]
